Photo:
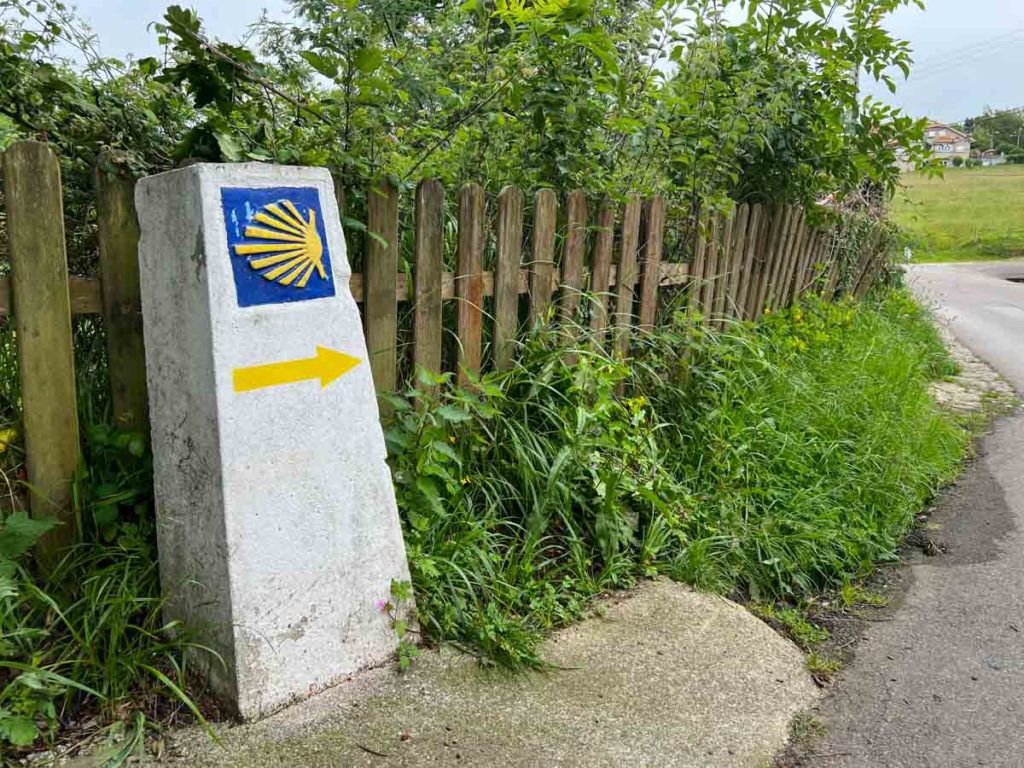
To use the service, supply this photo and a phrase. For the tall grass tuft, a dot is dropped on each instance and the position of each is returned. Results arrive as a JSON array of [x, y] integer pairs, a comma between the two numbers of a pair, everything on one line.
[[87, 639], [761, 462]]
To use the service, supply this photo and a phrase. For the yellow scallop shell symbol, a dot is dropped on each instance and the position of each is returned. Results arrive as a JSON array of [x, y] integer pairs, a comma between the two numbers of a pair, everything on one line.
[[295, 250]]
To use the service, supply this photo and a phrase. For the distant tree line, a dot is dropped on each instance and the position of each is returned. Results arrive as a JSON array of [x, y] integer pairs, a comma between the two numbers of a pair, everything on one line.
[[998, 129]]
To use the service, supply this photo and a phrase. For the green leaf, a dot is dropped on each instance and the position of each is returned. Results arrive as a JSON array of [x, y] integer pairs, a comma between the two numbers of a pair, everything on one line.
[[326, 67], [18, 730], [137, 446], [427, 487], [19, 532], [445, 450], [53, 677], [368, 59], [104, 515], [229, 148], [453, 414]]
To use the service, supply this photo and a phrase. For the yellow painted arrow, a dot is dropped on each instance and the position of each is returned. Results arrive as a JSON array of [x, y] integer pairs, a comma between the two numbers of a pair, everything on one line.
[[327, 365]]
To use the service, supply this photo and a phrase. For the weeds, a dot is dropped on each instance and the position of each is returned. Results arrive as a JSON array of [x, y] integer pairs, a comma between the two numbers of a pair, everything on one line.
[[87, 638], [769, 463], [795, 623], [821, 667]]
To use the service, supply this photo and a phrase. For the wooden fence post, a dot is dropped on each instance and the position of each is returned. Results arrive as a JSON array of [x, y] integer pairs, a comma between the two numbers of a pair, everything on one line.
[[542, 268], [469, 281], [625, 282], [506, 275], [429, 266], [42, 325], [118, 229], [380, 299], [654, 242], [601, 268], [573, 254]]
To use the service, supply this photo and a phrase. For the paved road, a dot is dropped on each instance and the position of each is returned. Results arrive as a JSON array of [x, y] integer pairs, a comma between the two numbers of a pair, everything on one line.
[[942, 683]]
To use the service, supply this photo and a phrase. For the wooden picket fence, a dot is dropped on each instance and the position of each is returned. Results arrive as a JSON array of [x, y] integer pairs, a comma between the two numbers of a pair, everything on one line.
[[753, 259]]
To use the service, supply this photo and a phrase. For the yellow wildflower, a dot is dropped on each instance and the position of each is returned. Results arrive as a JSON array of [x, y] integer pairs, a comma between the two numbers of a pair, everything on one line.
[[7, 436]]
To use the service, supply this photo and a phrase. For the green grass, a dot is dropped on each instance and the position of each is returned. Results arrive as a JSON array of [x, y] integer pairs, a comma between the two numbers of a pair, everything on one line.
[[87, 638], [767, 463], [967, 215]]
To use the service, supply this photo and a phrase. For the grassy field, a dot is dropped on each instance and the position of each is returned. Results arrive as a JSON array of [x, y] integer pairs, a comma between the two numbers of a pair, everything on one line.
[[968, 215]]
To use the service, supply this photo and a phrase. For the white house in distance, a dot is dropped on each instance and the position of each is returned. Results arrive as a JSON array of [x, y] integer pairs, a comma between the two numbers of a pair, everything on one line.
[[947, 142]]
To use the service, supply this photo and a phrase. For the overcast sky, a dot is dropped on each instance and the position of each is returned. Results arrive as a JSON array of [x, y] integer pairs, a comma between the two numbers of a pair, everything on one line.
[[969, 54]]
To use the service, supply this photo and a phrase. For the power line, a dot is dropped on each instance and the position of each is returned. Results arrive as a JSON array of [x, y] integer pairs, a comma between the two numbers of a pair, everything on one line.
[[964, 57], [982, 44]]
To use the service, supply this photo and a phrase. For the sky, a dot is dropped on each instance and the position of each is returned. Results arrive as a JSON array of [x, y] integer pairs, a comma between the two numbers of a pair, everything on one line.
[[969, 55]]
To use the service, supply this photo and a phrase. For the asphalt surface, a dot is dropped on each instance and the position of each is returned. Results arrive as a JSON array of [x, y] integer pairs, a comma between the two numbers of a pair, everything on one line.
[[941, 682]]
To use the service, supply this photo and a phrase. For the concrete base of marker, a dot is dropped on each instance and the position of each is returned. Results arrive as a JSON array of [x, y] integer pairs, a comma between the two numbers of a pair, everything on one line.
[[277, 526]]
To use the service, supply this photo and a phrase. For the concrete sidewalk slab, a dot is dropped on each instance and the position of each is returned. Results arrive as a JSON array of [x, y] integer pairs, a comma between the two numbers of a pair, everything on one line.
[[666, 677]]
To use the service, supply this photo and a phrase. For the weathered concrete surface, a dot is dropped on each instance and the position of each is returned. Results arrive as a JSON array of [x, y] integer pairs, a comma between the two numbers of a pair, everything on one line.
[[666, 677], [942, 682], [276, 518]]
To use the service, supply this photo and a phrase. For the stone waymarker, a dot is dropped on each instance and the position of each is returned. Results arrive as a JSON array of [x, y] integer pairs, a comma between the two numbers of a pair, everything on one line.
[[277, 524]]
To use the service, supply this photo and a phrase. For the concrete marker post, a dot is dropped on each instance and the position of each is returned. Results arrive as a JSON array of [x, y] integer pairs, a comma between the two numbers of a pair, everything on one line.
[[276, 518]]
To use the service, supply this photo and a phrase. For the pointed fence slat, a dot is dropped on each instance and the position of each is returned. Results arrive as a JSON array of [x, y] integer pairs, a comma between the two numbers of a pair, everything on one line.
[[707, 288], [601, 267], [806, 275], [796, 241], [654, 243], [725, 267], [506, 275], [773, 236], [542, 268], [469, 283], [780, 252], [748, 276], [835, 272], [118, 236], [738, 270], [757, 267], [427, 316], [380, 300], [626, 276], [795, 257], [697, 267], [573, 254]]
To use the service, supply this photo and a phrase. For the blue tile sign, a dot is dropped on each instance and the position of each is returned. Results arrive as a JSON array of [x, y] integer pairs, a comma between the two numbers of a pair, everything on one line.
[[277, 244]]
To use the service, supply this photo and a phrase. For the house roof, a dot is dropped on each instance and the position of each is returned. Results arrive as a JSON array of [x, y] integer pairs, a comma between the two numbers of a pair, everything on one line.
[[933, 125]]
